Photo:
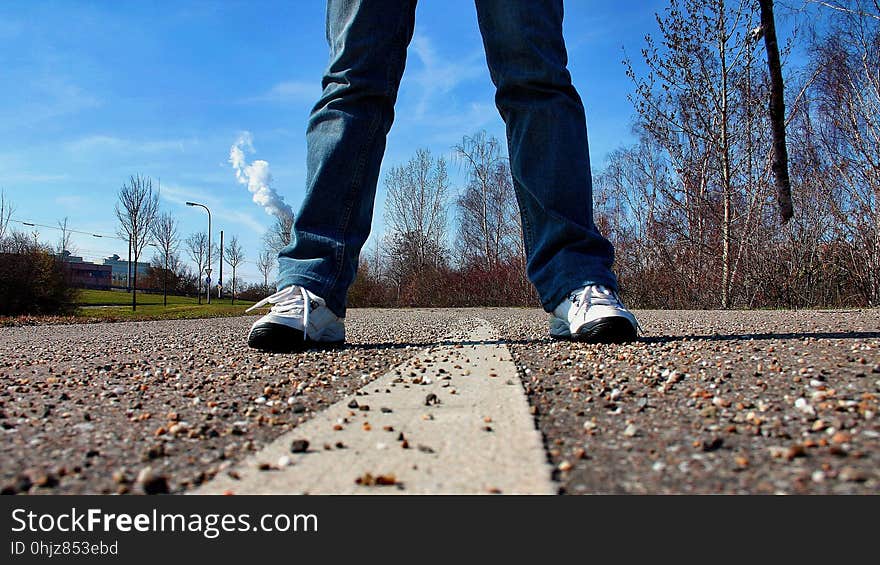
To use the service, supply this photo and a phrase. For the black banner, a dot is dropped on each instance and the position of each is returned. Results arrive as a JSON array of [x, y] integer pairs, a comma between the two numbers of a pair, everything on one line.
[[224, 529]]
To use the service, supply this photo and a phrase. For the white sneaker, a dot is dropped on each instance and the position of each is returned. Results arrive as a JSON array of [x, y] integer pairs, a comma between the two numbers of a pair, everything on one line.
[[593, 314], [298, 319]]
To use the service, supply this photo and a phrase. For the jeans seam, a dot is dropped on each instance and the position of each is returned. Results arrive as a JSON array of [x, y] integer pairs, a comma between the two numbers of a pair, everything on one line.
[[357, 177], [342, 229]]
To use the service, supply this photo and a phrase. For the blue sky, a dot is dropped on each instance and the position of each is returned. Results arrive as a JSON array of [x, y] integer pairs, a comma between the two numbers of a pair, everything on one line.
[[97, 91]]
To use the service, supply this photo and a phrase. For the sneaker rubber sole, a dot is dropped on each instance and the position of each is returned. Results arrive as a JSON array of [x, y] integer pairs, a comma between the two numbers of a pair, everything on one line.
[[614, 329], [278, 338]]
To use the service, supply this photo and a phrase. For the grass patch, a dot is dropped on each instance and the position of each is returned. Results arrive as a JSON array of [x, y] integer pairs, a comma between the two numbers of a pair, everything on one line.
[[120, 298], [159, 312], [115, 306]]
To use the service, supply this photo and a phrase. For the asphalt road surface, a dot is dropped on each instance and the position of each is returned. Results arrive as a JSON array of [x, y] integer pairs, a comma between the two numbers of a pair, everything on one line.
[[474, 400]]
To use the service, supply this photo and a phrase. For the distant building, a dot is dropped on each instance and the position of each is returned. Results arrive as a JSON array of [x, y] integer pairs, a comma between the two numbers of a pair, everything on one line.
[[119, 267], [83, 274], [66, 257]]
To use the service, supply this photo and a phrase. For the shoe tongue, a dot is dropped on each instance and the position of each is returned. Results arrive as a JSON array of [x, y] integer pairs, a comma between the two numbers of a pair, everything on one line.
[[286, 295], [301, 293], [594, 290], [599, 290]]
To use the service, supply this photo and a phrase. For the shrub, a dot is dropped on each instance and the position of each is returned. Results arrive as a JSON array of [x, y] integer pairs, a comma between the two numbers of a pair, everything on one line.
[[32, 282]]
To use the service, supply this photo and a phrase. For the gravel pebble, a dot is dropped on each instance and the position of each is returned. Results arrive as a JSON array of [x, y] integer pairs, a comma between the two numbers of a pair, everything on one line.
[[299, 446]]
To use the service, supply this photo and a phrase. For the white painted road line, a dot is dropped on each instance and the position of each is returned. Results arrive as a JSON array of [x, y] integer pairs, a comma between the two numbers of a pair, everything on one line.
[[465, 425]]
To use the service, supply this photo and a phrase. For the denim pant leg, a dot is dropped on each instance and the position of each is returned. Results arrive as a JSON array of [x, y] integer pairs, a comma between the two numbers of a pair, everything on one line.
[[547, 140], [346, 141]]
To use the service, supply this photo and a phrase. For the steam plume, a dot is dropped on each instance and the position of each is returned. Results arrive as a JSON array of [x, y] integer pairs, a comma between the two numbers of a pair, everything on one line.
[[256, 177]]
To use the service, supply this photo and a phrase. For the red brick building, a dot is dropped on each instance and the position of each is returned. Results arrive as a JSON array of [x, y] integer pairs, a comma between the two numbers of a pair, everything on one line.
[[82, 274]]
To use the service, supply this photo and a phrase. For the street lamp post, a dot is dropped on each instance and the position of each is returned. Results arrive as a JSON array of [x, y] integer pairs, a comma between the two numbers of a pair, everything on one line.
[[208, 270], [220, 281], [128, 277]]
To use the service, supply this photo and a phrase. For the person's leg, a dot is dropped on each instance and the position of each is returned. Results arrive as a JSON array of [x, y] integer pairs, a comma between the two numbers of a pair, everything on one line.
[[346, 141], [547, 140]]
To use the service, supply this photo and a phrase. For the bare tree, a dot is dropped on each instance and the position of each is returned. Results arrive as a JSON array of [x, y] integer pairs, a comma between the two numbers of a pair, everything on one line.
[[847, 95], [19, 242], [234, 256], [860, 9], [6, 211], [374, 260], [488, 226], [279, 235], [164, 232], [265, 263], [235, 283], [64, 240], [415, 211], [177, 269], [632, 209], [187, 279], [697, 104], [197, 249], [136, 210], [691, 207], [175, 277]]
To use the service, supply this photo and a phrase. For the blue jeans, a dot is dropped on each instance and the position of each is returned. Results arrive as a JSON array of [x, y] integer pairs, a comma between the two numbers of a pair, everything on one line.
[[546, 134]]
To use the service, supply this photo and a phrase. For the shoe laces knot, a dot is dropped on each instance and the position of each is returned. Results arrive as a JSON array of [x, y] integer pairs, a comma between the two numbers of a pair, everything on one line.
[[595, 295], [293, 300]]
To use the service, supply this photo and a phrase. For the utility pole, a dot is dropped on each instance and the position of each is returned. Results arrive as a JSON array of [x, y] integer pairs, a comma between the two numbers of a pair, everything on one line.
[[208, 270], [220, 280], [128, 280]]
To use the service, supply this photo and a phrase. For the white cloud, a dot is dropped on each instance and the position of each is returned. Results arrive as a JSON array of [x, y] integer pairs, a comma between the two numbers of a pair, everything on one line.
[[52, 97], [26, 177], [104, 143], [291, 92], [177, 194], [18, 167], [438, 76], [70, 202], [242, 219], [448, 128]]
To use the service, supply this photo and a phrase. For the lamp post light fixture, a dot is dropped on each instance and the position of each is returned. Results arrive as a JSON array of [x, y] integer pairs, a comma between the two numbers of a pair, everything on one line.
[[208, 270], [34, 233], [128, 276]]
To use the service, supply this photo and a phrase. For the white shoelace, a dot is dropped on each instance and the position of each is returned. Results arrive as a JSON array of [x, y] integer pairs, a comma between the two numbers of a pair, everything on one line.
[[291, 300], [595, 295]]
